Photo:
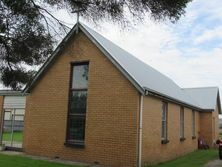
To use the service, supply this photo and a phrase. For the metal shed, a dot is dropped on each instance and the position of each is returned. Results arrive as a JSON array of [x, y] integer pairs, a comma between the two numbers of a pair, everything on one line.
[[12, 122]]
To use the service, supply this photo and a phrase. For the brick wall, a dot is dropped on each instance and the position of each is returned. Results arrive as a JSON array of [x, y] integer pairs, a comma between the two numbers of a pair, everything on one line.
[[209, 124], [152, 149], [206, 129], [112, 111]]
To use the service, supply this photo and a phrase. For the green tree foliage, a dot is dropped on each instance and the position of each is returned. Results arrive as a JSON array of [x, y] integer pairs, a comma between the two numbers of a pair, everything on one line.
[[27, 28]]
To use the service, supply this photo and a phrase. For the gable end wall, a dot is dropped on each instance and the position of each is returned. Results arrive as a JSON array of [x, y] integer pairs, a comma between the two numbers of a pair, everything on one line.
[[112, 111]]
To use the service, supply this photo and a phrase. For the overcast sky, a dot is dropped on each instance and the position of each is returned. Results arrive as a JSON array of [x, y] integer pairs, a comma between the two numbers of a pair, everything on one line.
[[189, 52]]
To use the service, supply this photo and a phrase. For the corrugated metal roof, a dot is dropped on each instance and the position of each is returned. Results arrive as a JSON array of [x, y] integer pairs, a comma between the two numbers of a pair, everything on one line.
[[206, 97], [10, 93], [141, 75], [146, 76]]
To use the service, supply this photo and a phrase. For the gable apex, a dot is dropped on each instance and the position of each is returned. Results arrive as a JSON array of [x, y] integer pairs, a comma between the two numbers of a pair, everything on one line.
[[76, 29]]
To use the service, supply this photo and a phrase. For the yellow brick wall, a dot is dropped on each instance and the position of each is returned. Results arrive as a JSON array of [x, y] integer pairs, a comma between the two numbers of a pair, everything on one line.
[[152, 149], [206, 129], [209, 123], [112, 111]]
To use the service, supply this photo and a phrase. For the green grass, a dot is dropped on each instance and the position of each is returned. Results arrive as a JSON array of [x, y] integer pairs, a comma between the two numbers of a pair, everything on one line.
[[17, 136], [19, 161], [195, 159]]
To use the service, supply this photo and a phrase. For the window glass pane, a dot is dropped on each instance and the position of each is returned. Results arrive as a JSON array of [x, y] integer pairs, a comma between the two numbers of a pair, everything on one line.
[[194, 123], [78, 102], [163, 135], [76, 128], [19, 117], [80, 77], [163, 115], [182, 122], [164, 121]]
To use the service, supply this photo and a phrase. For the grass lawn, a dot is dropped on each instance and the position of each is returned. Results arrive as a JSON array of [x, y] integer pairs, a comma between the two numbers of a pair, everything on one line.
[[19, 161], [195, 159], [17, 136]]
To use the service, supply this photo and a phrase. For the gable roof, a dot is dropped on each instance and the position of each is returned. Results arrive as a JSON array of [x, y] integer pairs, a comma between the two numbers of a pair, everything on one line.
[[207, 97], [141, 75]]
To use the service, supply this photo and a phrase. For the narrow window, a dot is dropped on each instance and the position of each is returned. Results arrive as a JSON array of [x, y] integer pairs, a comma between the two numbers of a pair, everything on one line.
[[181, 123], [77, 104], [193, 124], [164, 123]]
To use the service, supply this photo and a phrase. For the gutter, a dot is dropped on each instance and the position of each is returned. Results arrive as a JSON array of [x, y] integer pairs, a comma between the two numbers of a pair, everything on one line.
[[140, 131], [157, 95]]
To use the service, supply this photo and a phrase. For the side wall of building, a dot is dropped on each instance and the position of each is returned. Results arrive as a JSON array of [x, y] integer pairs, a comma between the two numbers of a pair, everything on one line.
[[112, 111], [153, 151], [209, 126], [206, 129]]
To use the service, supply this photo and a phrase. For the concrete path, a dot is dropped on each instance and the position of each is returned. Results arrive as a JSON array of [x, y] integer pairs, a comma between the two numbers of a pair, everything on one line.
[[215, 163]]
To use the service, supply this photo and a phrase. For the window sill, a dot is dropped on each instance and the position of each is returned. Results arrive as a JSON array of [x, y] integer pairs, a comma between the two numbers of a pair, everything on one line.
[[194, 137], [182, 139], [75, 144], [165, 141]]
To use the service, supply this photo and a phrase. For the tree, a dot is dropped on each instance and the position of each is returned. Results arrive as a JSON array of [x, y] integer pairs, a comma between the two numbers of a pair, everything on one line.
[[27, 28]]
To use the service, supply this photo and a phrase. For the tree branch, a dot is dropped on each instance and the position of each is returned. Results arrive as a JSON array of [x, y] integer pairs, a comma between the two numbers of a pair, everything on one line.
[[61, 23]]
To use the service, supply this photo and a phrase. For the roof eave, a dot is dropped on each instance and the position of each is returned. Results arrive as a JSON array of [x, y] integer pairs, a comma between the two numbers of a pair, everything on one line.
[[173, 100], [30, 85], [113, 61], [11, 93]]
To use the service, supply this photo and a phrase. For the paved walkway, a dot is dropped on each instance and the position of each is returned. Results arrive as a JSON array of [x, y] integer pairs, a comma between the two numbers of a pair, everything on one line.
[[215, 163]]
